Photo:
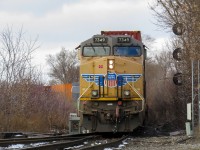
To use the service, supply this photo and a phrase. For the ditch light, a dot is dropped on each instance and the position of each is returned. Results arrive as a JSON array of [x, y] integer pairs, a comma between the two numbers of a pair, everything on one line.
[[94, 93]]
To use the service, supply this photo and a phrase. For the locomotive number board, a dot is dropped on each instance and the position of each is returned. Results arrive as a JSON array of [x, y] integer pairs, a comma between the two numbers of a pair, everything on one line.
[[123, 39], [100, 40]]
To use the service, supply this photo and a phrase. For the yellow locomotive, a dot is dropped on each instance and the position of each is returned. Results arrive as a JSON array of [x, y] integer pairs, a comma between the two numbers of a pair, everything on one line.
[[112, 82]]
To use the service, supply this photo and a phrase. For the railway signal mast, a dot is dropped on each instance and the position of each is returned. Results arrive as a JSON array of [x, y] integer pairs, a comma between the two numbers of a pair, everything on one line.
[[178, 29]]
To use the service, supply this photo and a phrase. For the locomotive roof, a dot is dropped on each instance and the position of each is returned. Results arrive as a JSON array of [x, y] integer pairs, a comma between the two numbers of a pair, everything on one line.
[[112, 40]]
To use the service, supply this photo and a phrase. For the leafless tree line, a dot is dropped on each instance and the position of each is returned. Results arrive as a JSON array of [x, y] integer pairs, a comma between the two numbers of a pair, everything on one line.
[[186, 13], [25, 103], [160, 89]]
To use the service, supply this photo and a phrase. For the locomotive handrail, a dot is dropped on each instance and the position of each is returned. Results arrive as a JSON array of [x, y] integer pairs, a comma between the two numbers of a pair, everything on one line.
[[78, 104], [134, 89], [142, 98]]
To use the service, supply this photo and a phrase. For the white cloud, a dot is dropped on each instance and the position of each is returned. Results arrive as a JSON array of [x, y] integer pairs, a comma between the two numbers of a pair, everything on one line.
[[159, 43], [158, 46], [68, 23], [76, 21]]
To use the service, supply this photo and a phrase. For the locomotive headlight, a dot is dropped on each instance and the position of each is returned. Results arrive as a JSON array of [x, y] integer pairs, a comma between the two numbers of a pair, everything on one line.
[[126, 93], [110, 64], [94, 93]]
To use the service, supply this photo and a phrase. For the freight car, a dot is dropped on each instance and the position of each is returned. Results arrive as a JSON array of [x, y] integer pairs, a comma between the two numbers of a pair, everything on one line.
[[112, 82]]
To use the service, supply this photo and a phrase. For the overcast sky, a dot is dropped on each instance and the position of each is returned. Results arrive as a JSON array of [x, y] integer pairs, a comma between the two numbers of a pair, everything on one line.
[[66, 23]]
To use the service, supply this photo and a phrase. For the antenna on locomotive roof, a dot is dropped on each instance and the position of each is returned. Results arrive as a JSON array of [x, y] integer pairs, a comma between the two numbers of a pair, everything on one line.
[[145, 47], [78, 47]]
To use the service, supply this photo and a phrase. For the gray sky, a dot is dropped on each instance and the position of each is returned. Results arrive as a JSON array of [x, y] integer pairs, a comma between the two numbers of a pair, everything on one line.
[[66, 23]]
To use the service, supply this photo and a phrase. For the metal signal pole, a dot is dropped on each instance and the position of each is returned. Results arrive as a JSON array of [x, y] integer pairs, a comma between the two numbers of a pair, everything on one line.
[[192, 97], [199, 95]]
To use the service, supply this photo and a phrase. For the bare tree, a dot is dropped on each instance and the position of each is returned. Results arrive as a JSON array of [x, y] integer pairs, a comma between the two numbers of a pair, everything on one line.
[[186, 14], [25, 103], [183, 14], [64, 67], [160, 89], [16, 72]]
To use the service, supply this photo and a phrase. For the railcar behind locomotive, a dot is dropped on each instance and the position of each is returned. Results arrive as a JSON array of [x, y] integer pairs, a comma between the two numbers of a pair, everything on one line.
[[112, 82]]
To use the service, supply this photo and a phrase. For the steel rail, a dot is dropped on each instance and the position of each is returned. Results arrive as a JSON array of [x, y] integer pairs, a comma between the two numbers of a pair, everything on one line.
[[114, 143], [61, 145], [184, 140], [6, 142]]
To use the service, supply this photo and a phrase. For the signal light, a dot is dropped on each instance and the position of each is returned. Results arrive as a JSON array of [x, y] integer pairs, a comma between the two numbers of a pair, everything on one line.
[[178, 28], [177, 79], [177, 54]]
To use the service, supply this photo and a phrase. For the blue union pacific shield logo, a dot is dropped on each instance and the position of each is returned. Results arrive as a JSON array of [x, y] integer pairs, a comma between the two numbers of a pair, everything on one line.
[[111, 79]]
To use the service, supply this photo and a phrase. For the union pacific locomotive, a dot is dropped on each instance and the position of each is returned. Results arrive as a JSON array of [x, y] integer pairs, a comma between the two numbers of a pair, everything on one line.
[[112, 82]]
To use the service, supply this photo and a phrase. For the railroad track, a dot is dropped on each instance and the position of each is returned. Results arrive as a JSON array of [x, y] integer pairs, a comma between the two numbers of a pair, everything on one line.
[[64, 144], [79, 141], [89, 142], [58, 142], [110, 144]]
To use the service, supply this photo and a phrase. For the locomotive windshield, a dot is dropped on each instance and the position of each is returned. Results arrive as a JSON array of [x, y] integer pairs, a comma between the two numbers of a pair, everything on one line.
[[96, 51], [130, 51]]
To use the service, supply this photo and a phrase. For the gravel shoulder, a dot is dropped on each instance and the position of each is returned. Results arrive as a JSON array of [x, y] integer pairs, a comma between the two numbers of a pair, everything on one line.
[[163, 143]]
